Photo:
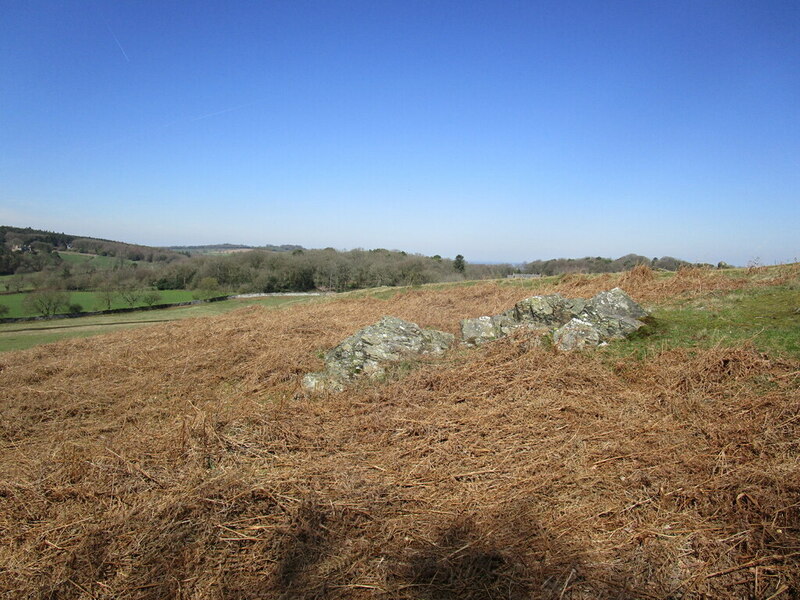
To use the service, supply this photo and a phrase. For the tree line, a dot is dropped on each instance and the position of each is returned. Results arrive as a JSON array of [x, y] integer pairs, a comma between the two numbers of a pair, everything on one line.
[[599, 264], [258, 271], [34, 256]]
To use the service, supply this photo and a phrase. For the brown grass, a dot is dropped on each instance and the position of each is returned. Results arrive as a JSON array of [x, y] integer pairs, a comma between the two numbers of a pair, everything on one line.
[[181, 461]]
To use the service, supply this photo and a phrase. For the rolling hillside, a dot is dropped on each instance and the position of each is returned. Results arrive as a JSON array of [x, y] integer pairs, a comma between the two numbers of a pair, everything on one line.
[[23, 250], [182, 460]]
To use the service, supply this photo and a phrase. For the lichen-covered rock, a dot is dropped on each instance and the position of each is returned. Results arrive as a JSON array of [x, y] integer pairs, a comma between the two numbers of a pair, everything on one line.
[[608, 315], [485, 329], [536, 312], [613, 328], [615, 303], [505, 322], [539, 309], [479, 330], [366, 352], [614, 314], [550, 310], [576, 334]]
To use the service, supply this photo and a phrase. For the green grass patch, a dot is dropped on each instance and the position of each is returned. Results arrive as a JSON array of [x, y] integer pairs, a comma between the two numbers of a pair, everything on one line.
[[90, 301], [14, 304], [19, 336], [5, 280], [769, 317]]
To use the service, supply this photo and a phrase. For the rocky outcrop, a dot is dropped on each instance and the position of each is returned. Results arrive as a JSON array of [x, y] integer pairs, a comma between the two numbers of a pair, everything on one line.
[[574, 322], [365, 353]]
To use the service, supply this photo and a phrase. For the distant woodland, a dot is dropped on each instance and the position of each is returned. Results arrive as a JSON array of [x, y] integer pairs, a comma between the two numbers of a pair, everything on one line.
[[598, 264], [47, 260]]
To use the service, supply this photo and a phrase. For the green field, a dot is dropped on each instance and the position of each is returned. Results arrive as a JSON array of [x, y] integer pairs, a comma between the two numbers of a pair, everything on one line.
[[90, 301], [27, 283], [18, 336]]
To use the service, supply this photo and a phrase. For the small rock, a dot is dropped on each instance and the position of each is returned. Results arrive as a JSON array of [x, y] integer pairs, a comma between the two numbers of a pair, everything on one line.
[[576, 334], [479, 330], [318, 382]]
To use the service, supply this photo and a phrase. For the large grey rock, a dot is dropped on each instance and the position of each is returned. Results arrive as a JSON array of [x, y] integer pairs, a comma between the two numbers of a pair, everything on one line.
[[485, 329], [614, 314], [365, 353], [536, 312], [539, 309], [578, 323], [615, 303], [549, 310]]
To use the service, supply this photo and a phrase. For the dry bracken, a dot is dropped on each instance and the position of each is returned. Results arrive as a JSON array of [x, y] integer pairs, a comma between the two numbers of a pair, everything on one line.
[[183, 461]]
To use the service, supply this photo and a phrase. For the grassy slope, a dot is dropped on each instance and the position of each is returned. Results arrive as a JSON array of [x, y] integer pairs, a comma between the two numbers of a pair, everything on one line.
[[5, 278], [768, 317], [18, 336], [183, 460]]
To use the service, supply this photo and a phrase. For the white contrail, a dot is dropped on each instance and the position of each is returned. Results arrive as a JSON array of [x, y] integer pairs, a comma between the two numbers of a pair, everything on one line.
[[221, 112], [125, 54], [153, 129]]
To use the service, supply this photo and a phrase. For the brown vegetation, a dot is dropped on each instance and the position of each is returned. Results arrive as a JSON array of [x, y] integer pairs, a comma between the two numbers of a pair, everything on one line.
[[181, 461]]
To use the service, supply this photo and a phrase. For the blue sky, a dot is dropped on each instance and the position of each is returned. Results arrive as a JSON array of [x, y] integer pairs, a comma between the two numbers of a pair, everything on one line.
[[504, 131]]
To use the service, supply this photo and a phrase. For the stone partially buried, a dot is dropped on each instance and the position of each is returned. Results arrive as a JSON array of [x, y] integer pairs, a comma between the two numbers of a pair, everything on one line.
[[574, 322], [365, 353]]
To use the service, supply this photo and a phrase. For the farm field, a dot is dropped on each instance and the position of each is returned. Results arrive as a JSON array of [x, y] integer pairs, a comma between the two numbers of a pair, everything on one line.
[[27, 284], [184, 460], [90, 301], [18, 336]]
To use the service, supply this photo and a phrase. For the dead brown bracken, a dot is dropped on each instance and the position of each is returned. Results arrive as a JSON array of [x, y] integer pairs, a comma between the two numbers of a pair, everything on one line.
[[182, 461]]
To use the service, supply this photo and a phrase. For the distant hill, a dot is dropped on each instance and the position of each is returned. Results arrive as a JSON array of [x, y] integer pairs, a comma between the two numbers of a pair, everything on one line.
[[599, 264], [229, 248], [27, 249]]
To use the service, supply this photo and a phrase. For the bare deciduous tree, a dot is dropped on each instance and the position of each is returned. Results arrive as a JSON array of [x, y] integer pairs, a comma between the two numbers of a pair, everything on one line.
[[46, 302], [130, 295], [150, 298], [106, 296]]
